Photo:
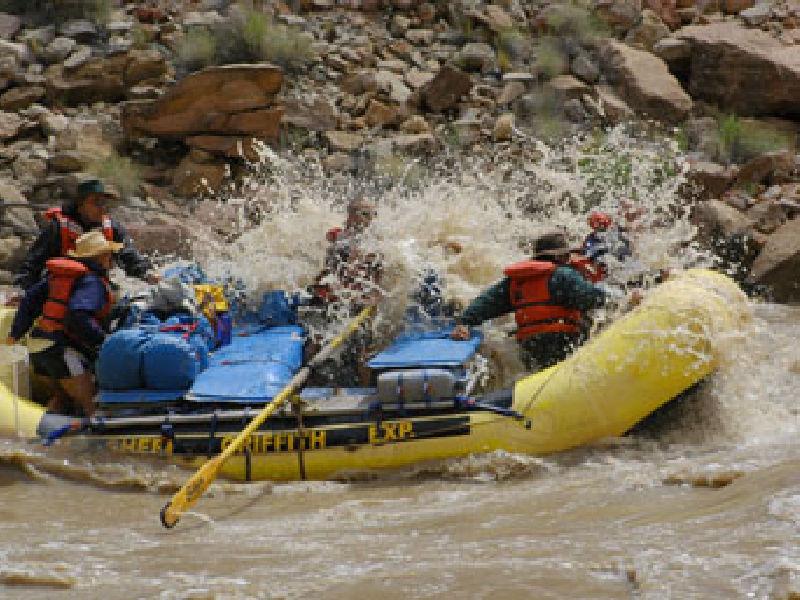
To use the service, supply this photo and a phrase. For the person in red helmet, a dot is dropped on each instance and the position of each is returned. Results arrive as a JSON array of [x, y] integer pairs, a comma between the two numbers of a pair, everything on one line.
[[605, 239]]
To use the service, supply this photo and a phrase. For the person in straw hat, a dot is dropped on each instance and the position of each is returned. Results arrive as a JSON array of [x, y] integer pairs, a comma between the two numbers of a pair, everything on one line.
[[549, 299], [73, 301]]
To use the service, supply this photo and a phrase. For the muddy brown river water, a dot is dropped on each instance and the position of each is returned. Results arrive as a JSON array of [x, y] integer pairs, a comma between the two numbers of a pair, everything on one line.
[[703, 504]]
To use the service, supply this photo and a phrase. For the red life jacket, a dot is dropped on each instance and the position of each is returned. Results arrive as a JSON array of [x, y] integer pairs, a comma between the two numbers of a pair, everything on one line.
[[594, 272], [71, 230], [535, 312], [63, 273]]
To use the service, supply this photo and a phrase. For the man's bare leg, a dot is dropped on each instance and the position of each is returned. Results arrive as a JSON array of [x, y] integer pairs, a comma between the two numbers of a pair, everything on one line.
[[81, 390]]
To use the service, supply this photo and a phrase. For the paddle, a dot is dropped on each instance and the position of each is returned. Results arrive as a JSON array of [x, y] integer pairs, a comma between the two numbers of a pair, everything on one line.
[[198, 483]]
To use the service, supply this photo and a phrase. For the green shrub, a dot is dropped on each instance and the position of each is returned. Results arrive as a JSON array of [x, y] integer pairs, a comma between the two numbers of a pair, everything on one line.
[[575, 21], [120, 172], [551, 58], [248, 37], [740, 140]]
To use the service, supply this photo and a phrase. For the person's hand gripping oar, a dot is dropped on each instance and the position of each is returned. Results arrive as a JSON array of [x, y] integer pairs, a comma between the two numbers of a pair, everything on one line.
[[191, 492]]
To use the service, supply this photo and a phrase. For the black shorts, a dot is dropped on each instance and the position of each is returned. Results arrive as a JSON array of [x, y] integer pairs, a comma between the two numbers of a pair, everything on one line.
[[60, 362]]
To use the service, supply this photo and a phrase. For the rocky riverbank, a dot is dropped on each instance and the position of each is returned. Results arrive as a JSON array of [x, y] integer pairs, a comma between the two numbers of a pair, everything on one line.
[[145, 95]]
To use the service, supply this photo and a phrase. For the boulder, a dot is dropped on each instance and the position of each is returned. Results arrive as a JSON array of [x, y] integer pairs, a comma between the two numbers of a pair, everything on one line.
[[745, 71], [80, 56], [20, 52], [649, 31], [316, 114], [171, 239], [19, 218], [768, 216], [621, 15], [476, 57], [79, 29], [9, 26], [613, 109], [584, 68], [393, 86], [566, 87], [142, 65], [503, 128], [757, 15], [97, 80], [644, 82], [778, 263], [418, 79], [342, 141], [510, 92], [446, 89], [761, 168], [12, 253], [69, 161], [379, 114], [208, 101], [415, 124], [420, 37], [716, 219], [192, 178], [57, 50], [421, 143], [672, 50], [712, 179], [733, 7], [666, 10], [360, 82], [21, 97], [10, 125]]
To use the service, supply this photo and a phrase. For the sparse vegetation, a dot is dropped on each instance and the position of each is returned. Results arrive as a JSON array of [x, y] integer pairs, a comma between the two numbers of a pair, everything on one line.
[[120, 172], [739, 140], [551, 58], [248, 37]]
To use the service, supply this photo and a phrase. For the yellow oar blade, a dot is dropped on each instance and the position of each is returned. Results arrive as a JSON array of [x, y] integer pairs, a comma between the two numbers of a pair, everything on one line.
[[198, 483], [190, 493]]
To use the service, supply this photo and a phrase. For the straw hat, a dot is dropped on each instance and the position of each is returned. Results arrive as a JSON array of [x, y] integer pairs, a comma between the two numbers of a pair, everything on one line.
[[93, 243]]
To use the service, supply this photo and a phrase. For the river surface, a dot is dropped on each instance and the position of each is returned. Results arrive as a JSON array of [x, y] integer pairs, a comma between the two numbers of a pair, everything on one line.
[[704, 503], [638, 517]]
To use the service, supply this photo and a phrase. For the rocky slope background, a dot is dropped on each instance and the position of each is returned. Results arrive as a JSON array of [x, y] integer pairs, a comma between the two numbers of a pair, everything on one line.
[[171, 102]]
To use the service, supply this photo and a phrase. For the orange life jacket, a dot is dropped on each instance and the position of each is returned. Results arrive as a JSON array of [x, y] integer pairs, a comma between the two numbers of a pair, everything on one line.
[[63, 273], [71, 230], [535, 311], [594, 272]]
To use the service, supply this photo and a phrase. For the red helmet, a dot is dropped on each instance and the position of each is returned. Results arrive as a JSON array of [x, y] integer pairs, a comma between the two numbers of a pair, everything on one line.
[[599, 220]]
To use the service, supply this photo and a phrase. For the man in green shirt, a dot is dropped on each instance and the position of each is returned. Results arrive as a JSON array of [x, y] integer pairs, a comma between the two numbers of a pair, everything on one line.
[[549, 299]]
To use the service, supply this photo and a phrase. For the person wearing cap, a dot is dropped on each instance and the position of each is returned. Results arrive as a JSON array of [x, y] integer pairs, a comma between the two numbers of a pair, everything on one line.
[[73, 301], [549, 299], [64, 225]]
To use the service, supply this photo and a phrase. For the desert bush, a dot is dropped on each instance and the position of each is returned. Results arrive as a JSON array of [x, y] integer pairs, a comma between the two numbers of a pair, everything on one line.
[[739, 140], [118, 171], [248, 37]]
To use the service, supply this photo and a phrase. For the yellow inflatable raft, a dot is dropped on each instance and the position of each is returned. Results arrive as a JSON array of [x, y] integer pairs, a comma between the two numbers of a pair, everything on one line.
[[660, 349]]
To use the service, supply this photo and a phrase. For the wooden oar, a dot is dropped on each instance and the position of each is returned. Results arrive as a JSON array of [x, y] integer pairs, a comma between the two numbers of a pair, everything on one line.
[[190, 493]]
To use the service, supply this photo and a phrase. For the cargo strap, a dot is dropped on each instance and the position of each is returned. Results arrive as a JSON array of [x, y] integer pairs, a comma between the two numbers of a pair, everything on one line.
[[464, 403], [186, 328]]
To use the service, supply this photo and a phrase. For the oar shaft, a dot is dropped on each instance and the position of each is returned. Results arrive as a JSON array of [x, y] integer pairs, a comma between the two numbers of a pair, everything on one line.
[[198, 483]]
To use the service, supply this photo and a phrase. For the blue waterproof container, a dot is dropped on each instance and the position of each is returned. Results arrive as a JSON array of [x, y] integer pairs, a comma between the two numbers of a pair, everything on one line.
[[170, 362], [119, 366]]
